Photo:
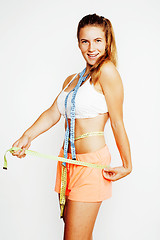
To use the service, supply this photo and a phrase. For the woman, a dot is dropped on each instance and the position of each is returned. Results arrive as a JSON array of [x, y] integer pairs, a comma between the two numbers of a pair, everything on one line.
[[99, 97]]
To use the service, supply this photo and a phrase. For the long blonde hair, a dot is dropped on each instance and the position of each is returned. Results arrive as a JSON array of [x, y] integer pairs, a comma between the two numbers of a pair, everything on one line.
[[111, 49]]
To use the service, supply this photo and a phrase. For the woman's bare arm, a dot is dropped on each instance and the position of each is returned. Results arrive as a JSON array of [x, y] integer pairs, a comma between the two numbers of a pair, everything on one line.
[[112, 87], [46, 120]]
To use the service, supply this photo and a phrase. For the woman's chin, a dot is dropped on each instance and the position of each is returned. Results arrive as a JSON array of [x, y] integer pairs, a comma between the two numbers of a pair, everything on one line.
[[91, 63]]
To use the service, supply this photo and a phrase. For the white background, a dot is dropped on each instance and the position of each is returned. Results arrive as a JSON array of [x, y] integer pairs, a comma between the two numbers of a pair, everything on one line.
[[38, 50]]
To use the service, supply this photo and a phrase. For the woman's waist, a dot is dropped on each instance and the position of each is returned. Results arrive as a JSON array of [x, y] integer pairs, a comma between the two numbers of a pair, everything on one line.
[[87, 142], [84, 125]]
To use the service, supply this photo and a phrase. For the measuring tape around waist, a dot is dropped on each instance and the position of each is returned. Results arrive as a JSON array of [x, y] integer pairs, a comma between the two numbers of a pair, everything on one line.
[[61, 159], [88, 134]]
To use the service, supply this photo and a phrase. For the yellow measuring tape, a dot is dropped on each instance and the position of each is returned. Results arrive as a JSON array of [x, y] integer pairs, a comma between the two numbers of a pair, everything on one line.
[[62, 200], [88, 134], [61, 159]]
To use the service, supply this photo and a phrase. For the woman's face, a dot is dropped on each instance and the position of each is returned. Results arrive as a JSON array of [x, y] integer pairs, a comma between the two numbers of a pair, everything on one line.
[[92, 43]]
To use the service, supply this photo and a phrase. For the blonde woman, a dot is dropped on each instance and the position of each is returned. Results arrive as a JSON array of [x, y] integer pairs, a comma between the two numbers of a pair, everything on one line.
[[98, 98]]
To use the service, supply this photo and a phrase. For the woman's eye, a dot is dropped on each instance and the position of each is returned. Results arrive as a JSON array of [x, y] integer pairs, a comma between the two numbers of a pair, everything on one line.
[[84, 41], [98, 40]]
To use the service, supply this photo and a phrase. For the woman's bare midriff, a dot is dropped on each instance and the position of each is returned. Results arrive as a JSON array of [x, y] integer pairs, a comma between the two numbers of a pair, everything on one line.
[[84, 125]]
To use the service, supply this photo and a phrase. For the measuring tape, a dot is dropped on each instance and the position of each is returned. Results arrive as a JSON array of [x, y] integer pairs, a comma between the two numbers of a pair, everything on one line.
[[88, 134], [69, 133], [61, 159]]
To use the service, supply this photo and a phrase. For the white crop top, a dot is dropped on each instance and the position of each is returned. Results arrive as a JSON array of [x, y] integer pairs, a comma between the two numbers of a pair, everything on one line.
[[88, 102]]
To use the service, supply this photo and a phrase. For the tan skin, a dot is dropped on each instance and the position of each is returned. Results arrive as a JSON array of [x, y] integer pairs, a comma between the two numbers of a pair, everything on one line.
[[80, 217]]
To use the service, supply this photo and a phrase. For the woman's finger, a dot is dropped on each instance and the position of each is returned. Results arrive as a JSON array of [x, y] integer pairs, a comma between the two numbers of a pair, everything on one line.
[[22, 153], [110, 171], [108, 174], [16, 153]]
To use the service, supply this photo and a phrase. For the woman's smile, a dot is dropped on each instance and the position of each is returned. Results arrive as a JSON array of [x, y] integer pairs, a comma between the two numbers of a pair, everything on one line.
[[92, 43], [92, 56]]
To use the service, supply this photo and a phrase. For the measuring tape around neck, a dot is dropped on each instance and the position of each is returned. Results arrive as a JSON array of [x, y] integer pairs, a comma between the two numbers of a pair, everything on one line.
[[69, 133]]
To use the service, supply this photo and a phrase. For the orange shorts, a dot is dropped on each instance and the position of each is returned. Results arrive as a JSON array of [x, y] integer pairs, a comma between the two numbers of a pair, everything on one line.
[[86, 184]]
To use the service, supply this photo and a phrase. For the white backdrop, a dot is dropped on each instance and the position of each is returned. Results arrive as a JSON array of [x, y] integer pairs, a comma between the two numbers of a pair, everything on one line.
[[38, 50]]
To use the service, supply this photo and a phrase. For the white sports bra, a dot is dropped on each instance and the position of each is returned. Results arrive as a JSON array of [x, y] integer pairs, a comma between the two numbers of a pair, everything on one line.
[[88, 102]]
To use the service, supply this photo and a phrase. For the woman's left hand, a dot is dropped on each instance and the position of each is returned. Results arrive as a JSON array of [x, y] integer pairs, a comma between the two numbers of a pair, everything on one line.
[[115, 173]]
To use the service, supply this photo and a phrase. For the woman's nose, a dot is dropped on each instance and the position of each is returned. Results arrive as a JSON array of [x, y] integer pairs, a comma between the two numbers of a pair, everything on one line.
[[91, 47]]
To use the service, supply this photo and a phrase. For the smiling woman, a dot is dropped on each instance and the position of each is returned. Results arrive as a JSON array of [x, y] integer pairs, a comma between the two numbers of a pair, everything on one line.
[[87, 100], [101, 35], [92, 43]]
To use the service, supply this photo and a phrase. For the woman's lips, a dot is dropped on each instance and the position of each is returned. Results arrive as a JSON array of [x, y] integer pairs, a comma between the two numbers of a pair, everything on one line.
[[92, 56]]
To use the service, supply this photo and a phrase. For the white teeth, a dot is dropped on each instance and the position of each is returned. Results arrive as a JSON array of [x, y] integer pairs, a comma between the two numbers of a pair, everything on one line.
[[92, 55]]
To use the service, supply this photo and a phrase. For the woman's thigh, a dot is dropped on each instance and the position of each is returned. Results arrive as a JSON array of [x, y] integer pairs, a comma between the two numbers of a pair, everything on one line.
[[80, 219]]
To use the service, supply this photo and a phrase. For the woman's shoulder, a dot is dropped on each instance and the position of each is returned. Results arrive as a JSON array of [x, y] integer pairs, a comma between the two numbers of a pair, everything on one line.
[[67, 80], [110, 79], [108, 71], [108, 68]]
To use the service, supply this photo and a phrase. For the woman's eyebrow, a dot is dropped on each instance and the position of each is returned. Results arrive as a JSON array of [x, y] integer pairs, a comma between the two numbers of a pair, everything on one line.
[[82, 39], [94, 39], [98, 38]]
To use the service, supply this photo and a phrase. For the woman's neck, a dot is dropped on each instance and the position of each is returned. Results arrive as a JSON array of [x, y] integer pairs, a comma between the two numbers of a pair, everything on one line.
[[87, 69]]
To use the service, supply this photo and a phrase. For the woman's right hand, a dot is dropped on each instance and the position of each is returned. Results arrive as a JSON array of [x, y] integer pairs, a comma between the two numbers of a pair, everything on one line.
[[24, 142]]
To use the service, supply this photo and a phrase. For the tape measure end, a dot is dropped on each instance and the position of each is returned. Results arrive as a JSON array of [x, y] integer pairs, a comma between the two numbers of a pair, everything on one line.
[[62, 209]]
